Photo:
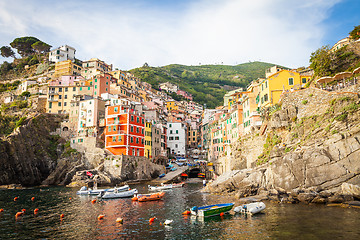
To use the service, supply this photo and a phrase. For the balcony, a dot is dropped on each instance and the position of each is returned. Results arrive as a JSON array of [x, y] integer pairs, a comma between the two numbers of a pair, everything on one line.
[[52, 100], [51, 92]]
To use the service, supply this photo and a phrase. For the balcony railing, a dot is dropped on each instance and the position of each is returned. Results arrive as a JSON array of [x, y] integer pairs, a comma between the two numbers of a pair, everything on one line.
[[51, 92], [52, 100]]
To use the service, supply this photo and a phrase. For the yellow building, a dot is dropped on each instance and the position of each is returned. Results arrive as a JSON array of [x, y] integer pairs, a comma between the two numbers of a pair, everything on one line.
[[171, 105], [282, 81], [67, 68], [121, 77], [148, 141]]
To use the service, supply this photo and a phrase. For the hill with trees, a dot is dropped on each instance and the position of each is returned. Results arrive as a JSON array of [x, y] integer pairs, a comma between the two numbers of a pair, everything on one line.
[[207, 83]]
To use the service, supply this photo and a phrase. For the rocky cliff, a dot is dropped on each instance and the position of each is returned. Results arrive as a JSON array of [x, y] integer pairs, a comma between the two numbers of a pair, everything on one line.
[[309, 152], [29, 154]]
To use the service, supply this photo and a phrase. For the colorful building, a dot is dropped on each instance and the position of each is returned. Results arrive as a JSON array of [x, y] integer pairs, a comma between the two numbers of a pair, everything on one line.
[[67, 67], [62, 53], [148, 139], [124, 131]]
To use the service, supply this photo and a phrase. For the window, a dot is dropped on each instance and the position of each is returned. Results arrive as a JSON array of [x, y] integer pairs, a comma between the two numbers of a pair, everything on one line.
[[114, 128], [109, 130], [65, 96], [303, 80], [142, 141], [115, 109], [95, 93], [60, 89], [88, 88], [132, 118], [131, 139], [266, 98], [114, 139], [95, 80], [74, 89], [137, 120], [169, 125], [66, 89], [64, 104], [176, 146], [142, 121], [266, 84], [59, 104], [170, 131], [291, 81], [137, 140], [80, 89], [50, 104], [177, 131], [95, 86], [193, 133], [137, 130], [176, 138], [60, 97], [171, 138], [131, 129]]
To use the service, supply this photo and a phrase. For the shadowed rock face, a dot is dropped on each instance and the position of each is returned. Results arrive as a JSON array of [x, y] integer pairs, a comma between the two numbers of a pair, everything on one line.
[[28, 155]]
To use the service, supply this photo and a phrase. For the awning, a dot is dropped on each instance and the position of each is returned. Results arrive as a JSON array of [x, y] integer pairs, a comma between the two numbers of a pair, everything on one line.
[[325, 80], [342, 75]]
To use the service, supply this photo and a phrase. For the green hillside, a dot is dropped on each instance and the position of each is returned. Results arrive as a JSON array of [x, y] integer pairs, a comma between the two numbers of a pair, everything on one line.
[[207, 83]]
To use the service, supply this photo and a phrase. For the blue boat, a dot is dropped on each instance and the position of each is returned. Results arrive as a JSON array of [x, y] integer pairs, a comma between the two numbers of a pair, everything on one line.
[[162, 175]]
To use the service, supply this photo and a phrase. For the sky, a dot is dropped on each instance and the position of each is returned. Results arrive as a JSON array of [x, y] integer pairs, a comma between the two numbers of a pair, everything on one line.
[[128, 33]]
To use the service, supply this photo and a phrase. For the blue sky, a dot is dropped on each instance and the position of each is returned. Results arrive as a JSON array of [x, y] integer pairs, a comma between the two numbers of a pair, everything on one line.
[[128, 33]]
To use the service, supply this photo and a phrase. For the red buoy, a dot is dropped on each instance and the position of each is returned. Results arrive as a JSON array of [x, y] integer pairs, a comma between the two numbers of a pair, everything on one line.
[[18, 214], [1, 210], [152, 219], [16, 198], [186, 212], [222, 214], [93, 201], [33, 198], [62, 216], [36, 210], [100, 217], [23, 210]]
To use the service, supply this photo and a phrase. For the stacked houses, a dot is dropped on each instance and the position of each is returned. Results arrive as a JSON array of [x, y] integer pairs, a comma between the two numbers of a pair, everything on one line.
[[116, 111]]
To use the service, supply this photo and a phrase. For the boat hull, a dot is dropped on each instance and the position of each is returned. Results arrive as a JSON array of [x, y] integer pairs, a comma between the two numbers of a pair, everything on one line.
[[212, 210], [151, 197], [123, 194], [251, 208]]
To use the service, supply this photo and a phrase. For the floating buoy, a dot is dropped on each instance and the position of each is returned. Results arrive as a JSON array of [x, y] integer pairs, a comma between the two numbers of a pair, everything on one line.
[[134, 198], [16, 198], [36, 210], [69, 198], [23, 210], [186, 212], [1, 210], [93, 201], [33, 198], [152, 219], [100, 217], [18, 214], [119, 220], [222, 214], [62, 216]]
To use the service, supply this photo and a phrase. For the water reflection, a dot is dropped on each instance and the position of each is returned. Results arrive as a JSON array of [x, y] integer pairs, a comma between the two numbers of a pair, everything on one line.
[[80, 221]]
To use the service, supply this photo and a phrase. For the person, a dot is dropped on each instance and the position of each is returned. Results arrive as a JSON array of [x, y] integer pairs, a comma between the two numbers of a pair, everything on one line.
[[204, 182]]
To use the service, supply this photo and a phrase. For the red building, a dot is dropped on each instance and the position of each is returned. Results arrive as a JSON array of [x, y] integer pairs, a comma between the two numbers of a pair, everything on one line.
[[124, 132]]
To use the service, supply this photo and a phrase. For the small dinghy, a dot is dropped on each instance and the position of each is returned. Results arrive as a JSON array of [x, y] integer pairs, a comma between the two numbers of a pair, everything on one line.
[[160, 188], [251, 208], [211, 210], [178, 185], [83, 191], [101, 191], [119, 194], [148, 197]]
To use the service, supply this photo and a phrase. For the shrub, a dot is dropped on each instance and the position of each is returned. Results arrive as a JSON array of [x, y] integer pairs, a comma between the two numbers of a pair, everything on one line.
[[304, 102]]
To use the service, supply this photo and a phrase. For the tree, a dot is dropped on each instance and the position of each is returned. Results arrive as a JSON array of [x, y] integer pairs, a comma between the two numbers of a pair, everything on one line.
[[40, 47], [23, 45], [6, 52], [320, 61], [355, 33]]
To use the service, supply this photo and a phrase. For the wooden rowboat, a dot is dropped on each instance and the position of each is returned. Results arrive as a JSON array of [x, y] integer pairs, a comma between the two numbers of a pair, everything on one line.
[[211, 210]]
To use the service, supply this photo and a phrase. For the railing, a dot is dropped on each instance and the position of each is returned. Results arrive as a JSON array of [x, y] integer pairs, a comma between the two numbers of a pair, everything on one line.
[[53, 100], [53, 93]]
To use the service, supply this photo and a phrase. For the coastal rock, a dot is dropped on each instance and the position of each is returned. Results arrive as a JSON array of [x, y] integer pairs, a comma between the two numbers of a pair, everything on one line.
[[319, 200], [306, 197], [350, 189]]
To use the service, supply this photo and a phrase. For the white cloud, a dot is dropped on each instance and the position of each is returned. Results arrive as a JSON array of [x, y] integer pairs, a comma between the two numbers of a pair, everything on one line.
[[208, 31]]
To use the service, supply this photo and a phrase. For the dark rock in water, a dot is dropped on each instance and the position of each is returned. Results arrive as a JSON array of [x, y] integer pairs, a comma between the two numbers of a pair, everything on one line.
[[306, 197], [336, 199], [274, 198], [319, 200], [295, 192], [354, 203]]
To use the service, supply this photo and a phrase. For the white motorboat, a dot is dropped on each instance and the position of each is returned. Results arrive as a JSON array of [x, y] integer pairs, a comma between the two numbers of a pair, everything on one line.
[[160, 188], [251, 208], [83, 191], [119, 194]]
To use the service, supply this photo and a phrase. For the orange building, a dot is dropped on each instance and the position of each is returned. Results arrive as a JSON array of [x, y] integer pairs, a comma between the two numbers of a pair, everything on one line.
[[124, 131]]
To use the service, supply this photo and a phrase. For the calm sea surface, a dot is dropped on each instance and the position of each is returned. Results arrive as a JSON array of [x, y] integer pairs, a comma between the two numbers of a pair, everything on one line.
[[279, 221]]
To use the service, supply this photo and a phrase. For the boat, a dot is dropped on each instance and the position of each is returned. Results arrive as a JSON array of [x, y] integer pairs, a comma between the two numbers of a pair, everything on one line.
[[101, 191], [119, 194], [211, 210], [162, 175], [201, 175], [148, 197], [83, 191], [251, 208], [178, 185], [159, 188]]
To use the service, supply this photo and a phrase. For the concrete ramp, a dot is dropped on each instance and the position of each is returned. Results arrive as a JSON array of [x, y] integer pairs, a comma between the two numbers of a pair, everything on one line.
[[170, 176]]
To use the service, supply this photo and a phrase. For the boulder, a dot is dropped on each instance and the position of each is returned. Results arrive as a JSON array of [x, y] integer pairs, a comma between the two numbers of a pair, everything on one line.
[[306, 197], [319, 200], [350, 189]]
